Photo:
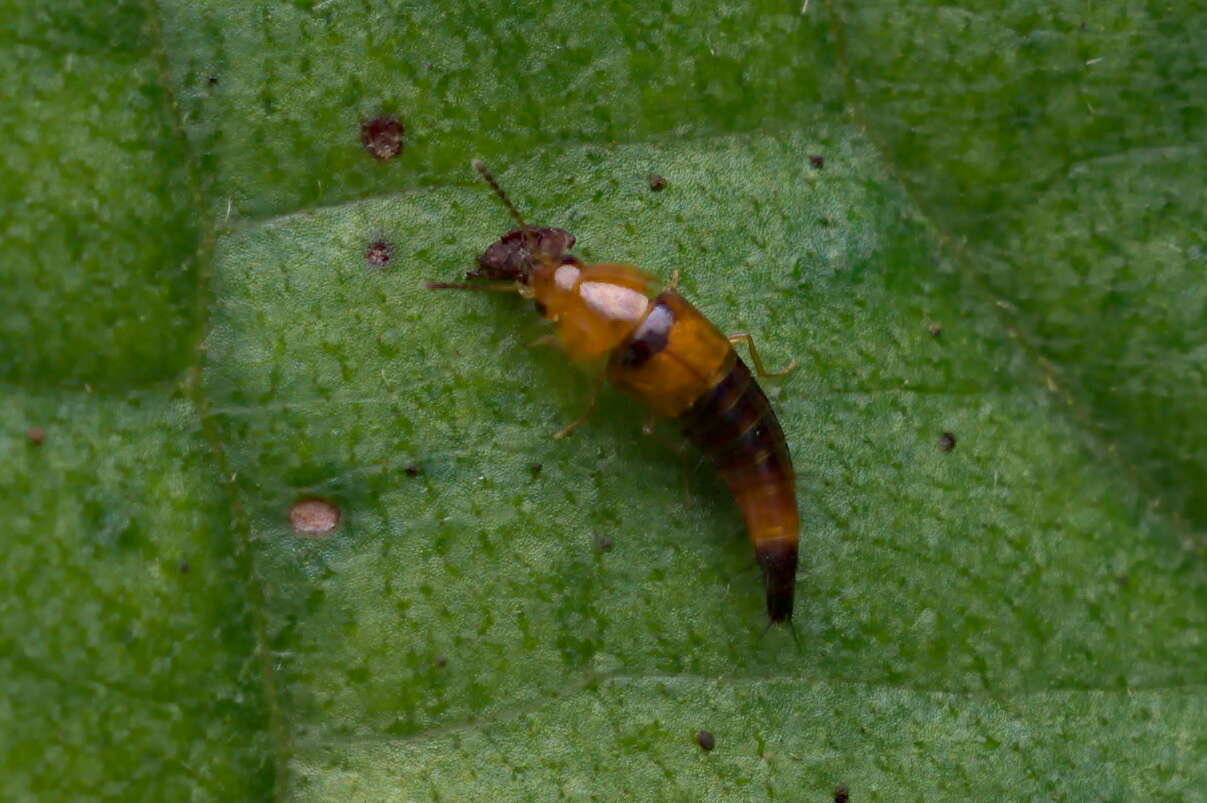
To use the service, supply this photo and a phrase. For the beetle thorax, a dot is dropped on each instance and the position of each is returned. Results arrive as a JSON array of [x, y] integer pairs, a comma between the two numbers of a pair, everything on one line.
[[594, 306]]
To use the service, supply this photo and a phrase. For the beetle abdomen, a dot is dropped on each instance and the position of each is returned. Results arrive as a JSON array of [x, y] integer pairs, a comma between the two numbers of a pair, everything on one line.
[[733, 423]]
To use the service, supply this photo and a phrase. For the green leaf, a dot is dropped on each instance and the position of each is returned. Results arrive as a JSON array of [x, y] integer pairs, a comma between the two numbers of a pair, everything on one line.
[[991, 280], [126, 638], [99, 226]]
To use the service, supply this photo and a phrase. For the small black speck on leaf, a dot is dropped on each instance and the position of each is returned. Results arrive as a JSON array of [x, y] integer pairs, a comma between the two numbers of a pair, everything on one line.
[[706, 740], [841, 795], [826, 220], [947, 441], [411, 471], [184, 567], [935, 329], [1122, 580], [212, 80], [36, 435], [535, 468], [378, 253], [602, 543], [657, 182], [382, 137], [441, 662], [818, 162]]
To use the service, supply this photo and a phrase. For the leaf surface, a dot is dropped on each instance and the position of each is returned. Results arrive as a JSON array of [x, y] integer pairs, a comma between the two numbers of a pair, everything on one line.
[[990, 277]]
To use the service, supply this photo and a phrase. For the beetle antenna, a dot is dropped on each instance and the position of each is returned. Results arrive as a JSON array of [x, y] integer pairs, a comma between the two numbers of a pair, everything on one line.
[[495, 287], [511, 210]]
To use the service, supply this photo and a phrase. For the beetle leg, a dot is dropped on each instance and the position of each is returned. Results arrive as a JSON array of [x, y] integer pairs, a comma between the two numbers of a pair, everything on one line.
[[573, 425], [743, 337], [545, 340]]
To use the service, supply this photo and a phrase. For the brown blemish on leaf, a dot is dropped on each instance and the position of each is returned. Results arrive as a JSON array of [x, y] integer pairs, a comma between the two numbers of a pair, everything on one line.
[[657, 182], [706, 740], [411, 471], [935, 329], [947, 441], [36, 435], [378, 253], [382, 137], [818, 162], [841, 795], [313, 517]]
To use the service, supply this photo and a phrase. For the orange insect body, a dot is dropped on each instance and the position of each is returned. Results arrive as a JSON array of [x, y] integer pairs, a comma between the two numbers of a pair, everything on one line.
[[663, 352], [593, 307]]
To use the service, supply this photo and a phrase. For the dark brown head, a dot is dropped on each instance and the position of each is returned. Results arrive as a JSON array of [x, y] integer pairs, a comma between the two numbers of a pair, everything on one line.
[[513, 257]]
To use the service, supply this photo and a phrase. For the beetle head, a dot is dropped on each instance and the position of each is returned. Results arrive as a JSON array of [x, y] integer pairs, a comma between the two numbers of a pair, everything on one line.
[[516, 254]]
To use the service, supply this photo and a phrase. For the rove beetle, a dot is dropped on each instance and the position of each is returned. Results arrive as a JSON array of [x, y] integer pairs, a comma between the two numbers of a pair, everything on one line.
[[653, 345]]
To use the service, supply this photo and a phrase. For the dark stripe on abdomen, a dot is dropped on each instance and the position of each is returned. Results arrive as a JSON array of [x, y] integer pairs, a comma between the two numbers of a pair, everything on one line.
[[733, 424]]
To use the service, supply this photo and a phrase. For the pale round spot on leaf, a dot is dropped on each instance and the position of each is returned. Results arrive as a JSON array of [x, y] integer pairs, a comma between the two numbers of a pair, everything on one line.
[[313, 517]]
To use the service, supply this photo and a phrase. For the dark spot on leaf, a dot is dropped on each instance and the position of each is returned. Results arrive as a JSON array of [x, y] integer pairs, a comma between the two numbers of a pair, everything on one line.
[[841, 795], [441, 662], [313, 517], [826, 220], [541, 309], [36, 435], [378, 253], [1122, 580], [947, 441], [657, 182], [411, 470], [706, 740], [382, 137], [818, 162], [212, 80], [935, 329], [536, 469], [184, 567], [602, 543]]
